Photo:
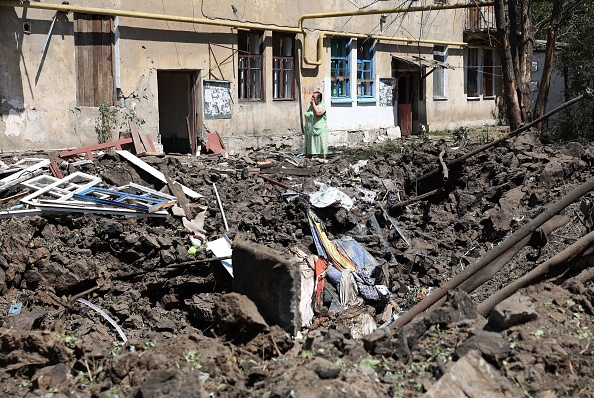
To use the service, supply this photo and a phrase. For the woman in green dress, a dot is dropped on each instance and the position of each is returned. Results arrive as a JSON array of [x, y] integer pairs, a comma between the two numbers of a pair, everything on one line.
[[316, 128]]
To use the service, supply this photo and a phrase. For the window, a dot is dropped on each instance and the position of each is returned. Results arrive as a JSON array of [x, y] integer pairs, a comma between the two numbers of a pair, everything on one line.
[[439, 74], [93, 41], [249, 45], [283, 64], [480, 73], [340, 68], [488, 73], [365, 78], [472, 69]]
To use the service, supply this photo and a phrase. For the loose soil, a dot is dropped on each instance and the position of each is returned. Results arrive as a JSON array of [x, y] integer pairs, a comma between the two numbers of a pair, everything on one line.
[[170, 303]]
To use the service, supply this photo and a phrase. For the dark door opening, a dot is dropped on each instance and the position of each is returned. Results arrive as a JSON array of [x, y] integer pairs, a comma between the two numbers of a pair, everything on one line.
[[405, 106], [178, 113]]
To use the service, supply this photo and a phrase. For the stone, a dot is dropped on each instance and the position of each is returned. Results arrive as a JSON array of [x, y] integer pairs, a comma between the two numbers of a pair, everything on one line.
[[492, 345], [325, 369], [171, 383], [237, 314], [51, 376], [270, 279], [167, 256], [472, 376], [512, 311], [25, 321], [457, 307]]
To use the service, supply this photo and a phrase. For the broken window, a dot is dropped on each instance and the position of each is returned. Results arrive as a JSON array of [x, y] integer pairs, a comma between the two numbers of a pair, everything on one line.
[[440, 74], [340, 69], [93, 41], [250, 46], [283, 64], [472, 71], [365, 77]]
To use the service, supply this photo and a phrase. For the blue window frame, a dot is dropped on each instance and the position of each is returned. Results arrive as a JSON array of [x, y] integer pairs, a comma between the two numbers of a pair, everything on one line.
[[365, 77], [340, 68]]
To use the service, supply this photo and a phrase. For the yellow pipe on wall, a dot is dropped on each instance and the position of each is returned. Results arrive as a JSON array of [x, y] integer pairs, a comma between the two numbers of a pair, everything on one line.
[[397, 10], [355, 13], [251, 25], [142, 15]]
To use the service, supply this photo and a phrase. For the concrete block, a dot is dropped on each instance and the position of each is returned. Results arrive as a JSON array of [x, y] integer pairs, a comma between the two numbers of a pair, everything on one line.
[[270, 279], [394, 132]]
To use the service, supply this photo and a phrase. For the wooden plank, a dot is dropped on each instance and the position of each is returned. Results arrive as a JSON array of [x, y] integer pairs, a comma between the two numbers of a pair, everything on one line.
[[138, 146], [87, 62], [55, 170], [148, 142], [155, 173], [90, 148], [177, 192]]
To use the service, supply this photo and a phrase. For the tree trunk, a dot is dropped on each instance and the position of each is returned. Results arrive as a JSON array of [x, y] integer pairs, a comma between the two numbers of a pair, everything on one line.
[[510, 93], [525, 50], [545, 82]]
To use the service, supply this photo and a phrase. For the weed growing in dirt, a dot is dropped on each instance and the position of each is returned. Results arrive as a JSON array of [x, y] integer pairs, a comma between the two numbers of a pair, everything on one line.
[[354, 155], [193, 357], [106, 122], [70, 341]]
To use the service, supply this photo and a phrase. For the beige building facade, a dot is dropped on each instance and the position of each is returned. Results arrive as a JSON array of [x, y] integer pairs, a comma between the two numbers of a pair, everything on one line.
[[245, 70]]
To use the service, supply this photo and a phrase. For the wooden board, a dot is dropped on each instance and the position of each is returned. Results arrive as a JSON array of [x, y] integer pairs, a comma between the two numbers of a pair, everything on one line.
[[138, 145]]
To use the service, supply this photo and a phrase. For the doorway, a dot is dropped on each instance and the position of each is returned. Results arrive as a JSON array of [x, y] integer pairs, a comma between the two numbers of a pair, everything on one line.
[[179, 115], [405, 104]]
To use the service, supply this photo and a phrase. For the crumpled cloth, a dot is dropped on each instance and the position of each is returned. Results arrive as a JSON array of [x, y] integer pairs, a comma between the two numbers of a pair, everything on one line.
[[366, 284]]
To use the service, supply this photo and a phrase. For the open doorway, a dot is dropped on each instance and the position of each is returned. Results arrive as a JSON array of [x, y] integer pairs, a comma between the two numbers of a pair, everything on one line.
[[179, 115]]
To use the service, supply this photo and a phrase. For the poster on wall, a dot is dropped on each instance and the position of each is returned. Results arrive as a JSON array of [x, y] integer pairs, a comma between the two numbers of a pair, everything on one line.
[[386, 89], [217, 99]]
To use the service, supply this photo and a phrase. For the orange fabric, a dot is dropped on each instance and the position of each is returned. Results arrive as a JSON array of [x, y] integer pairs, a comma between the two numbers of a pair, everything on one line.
[[321, 266]]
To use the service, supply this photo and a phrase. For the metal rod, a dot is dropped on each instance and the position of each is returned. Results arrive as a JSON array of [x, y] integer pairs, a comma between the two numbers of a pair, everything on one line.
[[49, 34], [220, 206]]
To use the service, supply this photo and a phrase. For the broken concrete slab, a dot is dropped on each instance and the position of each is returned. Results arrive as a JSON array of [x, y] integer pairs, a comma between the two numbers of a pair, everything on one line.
[[270, 279], [472, 376]]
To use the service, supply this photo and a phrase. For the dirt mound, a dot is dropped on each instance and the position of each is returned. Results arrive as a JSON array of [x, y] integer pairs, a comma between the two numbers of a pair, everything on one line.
[[184, 330]]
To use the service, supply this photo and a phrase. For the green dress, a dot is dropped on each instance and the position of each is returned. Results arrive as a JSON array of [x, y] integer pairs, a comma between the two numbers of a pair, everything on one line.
[[316, 132]]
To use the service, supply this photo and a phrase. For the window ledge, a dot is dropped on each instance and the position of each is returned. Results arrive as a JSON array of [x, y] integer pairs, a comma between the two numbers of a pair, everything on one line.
[[284, 99], [489, 97], [366, 99], [440, 98], [341, 100], [473, 98]]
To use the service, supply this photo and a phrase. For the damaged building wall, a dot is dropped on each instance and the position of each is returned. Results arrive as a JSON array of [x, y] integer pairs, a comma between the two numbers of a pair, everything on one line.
[[42, 80]]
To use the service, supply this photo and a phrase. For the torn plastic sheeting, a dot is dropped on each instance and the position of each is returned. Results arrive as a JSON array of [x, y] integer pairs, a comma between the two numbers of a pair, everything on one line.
[[366, 195], [222, 248], [357, 166], [328, 196], [104, 315]]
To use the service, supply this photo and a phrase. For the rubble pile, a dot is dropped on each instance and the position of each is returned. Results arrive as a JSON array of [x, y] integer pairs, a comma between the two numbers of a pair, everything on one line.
[[268, 274]]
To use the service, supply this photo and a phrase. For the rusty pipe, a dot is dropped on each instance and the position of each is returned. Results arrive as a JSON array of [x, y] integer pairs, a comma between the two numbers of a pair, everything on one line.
[[542, 271], [507, 244]]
